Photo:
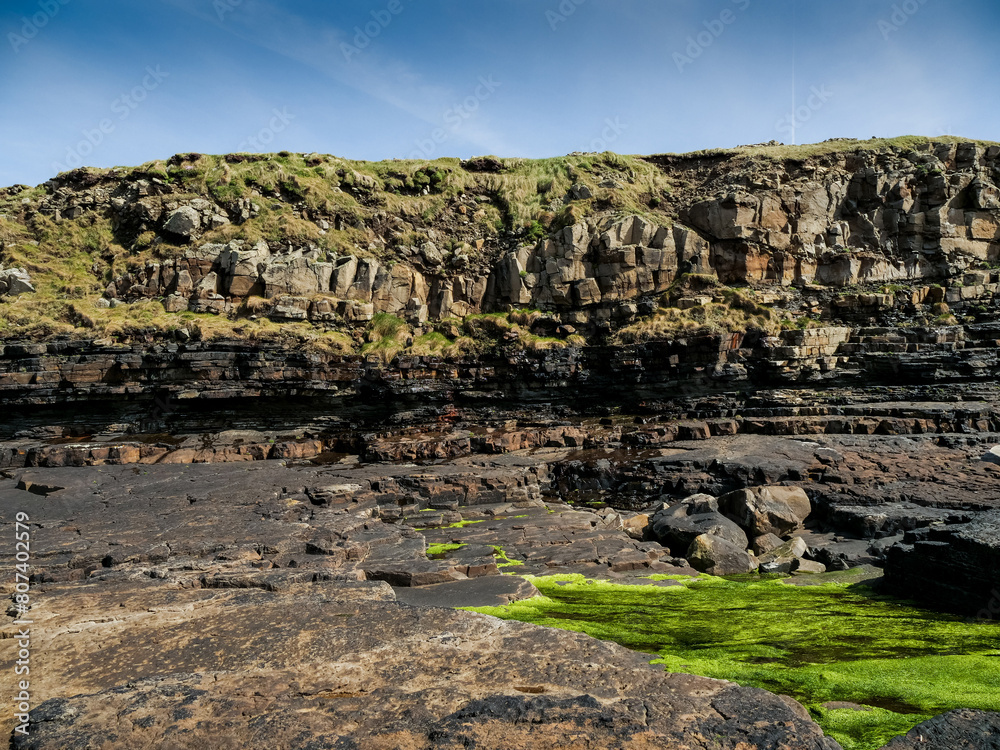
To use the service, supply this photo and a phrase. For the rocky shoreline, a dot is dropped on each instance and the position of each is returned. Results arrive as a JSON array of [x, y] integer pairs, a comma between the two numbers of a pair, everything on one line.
[[160, 548], [271, 439]]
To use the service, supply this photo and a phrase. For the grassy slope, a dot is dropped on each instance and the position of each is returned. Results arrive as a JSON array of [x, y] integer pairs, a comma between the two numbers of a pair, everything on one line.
[[820, 643], [809, 150]]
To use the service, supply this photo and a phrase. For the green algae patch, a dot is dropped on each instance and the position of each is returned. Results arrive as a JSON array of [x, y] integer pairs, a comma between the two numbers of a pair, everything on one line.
[[442, 549], [860, 730], [456, 525], [462, 524], [503, 561], [831, 640]]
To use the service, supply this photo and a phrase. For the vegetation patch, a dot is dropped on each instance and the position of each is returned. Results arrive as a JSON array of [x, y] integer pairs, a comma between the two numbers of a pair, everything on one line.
[[831, 641], [462, 524], [503, 561], [442, 549]]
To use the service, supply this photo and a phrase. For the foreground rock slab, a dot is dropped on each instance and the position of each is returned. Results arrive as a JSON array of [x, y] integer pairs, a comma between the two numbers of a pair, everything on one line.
[[320, 669]]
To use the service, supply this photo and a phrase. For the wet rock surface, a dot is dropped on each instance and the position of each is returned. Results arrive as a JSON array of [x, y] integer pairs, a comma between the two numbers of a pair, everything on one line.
[[965, 729], [950, 566], [392, 492], [275, 587], [251, 603], [318, 671]]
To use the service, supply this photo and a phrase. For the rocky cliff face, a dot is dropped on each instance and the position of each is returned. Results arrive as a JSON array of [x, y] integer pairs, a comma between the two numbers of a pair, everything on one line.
[[596, 329], [811, 227], [838, 221]]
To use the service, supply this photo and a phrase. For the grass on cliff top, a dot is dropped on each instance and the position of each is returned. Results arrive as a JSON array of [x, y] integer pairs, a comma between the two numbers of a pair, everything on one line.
[[808, 150], [833, 641], [71, 261]]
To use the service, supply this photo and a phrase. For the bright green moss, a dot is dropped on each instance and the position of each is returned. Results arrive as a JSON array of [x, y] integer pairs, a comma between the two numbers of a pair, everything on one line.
[[859, 730], [501, 554], [831, 641], [442, 549], [462, 524]]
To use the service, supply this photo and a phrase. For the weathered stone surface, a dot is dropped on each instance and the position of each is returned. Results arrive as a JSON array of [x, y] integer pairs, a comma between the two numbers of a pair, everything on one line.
[[765, 543], [14, 282], [241, 594], [953, 567], [380, 674], [784, 558], [964, 729], [678, 526], [184, 222], [767, 510], [485, 591], [715, 556]]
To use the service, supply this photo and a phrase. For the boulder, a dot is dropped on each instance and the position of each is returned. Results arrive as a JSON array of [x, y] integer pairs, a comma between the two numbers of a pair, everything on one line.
[[765, 543], [807, 566], [184, 222], [677, 527], [431, 254], [767, 510], [241, 267], [15, 281], [635, 525], [783, 559], [715, 556], [342, 276], [964, 728], [296, 276], [366, 271]]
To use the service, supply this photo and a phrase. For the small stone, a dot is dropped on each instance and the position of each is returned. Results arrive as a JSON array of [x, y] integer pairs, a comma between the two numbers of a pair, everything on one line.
[[808, 566]]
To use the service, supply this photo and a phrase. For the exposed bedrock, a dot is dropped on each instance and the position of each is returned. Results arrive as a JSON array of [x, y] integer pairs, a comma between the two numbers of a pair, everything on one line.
[[839, 220], [317, 670], [964, 729], [252, 608], [950, 566]]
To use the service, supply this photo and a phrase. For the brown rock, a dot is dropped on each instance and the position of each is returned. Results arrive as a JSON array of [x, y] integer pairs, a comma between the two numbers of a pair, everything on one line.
[[715, 556]]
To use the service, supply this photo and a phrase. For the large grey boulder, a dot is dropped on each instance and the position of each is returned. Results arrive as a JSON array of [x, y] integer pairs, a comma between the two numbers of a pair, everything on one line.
[[432, 255], [364, 280], [15, 281], [184, 222], [296, 277], [767, 510], [242, 267], [715, 556], [765, 543], [677, 526], [342, 277]]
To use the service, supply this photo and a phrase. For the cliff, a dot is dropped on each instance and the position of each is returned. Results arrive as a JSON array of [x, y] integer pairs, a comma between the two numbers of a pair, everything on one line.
[[402, 257]]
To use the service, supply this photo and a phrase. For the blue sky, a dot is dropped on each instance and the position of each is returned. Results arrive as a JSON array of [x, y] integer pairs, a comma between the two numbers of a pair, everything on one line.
[[120, 82]]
